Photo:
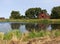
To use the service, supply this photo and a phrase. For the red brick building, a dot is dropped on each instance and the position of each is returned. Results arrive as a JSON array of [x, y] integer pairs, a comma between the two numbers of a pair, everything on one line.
[[43, 16]]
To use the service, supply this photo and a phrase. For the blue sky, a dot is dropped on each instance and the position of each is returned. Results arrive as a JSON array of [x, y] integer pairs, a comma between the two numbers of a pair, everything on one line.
[[6, 6]]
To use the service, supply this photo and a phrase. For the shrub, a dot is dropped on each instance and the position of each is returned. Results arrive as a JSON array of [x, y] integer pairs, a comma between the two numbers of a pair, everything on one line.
[[10, 34]]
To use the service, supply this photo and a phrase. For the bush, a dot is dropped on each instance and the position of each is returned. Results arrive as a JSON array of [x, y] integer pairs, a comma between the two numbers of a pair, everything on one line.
[[10, 34]]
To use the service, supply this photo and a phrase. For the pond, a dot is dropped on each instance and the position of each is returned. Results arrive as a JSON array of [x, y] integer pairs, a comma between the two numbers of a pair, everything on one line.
[[26, 27]]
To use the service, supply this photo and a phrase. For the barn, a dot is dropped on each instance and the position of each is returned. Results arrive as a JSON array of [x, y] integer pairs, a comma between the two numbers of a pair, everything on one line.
[[43, 15]]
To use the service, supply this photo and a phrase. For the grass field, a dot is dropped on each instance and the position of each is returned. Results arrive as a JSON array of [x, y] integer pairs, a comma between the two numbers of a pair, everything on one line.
[[25, 36], [57, 21], [15, 37]]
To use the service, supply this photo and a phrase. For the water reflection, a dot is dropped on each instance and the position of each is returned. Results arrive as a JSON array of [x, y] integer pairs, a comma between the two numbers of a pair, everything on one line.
[[24, 27], [5, 27], [55, 26], [15, 25], [30, 26], [19, 26], [37, 27], [42, 26]]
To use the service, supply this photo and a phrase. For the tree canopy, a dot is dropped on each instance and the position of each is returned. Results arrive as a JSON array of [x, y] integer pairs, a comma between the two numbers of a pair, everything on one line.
[[45, 11], [55, 13], [32, 12], [15, 15]]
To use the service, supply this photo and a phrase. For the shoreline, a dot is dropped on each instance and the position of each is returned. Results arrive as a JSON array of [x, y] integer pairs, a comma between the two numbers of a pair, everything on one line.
[[44, 21]]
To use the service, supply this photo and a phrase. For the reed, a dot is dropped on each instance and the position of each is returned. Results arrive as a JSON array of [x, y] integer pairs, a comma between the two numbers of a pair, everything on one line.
[[10, 34], [30, 35]]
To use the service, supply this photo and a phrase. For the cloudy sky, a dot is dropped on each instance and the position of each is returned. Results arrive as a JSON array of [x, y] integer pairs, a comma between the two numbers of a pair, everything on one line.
[[6, 6]]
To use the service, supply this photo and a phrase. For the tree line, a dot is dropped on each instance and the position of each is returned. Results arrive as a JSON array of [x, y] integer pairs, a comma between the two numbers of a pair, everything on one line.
[[32, 13]]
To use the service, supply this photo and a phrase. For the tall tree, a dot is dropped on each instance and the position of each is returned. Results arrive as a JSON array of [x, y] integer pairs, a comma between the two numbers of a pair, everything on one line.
[[55, 13], [32, 12], [44, 11], [15, 15]]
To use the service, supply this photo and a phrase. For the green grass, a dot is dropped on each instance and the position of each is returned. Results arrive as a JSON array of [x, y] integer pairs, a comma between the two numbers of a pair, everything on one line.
[[30, 35], [57, 33], [57, 21], [37, 34], [10, 34]]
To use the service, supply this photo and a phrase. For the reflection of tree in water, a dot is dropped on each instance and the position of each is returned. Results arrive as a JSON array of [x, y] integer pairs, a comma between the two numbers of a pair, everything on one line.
[[36, 27], [42, 26], [15, 25], [30, 27], [55, 26]]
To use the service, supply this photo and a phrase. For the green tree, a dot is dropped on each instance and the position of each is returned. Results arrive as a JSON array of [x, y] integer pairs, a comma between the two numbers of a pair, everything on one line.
[[44, 11], [22, 17], [32, 12], [15, 15], [55, 14]]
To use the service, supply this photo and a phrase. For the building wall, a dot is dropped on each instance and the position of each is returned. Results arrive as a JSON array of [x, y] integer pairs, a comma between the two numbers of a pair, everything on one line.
[[43, 16]]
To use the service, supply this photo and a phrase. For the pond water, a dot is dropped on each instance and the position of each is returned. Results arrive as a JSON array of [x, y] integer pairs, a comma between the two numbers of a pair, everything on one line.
[[26, 27]]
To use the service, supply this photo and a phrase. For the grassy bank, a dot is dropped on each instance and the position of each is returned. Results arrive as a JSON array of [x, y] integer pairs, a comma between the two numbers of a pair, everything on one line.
[[42, 37], [26, 36], [33, 20]]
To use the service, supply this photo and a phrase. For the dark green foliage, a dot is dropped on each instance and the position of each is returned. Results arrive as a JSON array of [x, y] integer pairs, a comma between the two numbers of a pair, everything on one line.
[[32, 12], [55, 14], [22, 17], [44, 11], [15, 15]]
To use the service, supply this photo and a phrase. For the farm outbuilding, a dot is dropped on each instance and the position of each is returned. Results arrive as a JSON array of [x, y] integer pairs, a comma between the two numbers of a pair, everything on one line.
[[43, 15]]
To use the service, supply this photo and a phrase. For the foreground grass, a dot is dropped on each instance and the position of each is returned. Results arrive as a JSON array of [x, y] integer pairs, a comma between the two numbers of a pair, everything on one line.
[[41, 37], [26, 36], [57, 21]]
